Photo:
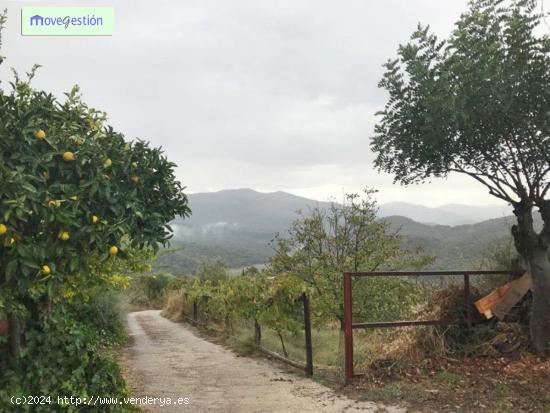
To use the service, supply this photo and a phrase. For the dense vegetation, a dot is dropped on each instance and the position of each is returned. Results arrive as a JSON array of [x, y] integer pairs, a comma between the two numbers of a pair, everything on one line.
[[186, 257], [322, 245], [79, 206], [68, 354], [274, 302], [310, 259]]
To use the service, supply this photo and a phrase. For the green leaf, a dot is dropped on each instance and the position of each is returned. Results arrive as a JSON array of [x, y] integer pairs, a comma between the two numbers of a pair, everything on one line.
[[11, 269]]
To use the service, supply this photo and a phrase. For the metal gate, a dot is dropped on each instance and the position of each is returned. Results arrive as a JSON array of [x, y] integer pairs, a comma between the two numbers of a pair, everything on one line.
[[349, 326]]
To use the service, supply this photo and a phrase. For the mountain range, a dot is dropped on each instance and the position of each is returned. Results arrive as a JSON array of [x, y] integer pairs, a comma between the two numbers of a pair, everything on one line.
[[450, 214], [236, 227]]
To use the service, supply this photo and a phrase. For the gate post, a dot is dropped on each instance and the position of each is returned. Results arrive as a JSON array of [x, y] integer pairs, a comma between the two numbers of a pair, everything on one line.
[[307, 331], [469, 317], [348, 330]]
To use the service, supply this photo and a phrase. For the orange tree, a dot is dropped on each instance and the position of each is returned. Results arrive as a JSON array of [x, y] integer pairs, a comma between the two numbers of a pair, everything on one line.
[[73, 193]]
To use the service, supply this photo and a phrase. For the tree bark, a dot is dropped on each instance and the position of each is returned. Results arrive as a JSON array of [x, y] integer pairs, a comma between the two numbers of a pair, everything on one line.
[[533, 249], [14, 336], [539, 266]]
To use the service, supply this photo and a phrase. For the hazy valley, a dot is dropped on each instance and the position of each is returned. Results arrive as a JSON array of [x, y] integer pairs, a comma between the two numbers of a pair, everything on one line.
[[236, 227]]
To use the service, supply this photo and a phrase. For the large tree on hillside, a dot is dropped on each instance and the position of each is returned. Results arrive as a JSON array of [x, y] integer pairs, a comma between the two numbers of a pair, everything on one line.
[[479, 104]]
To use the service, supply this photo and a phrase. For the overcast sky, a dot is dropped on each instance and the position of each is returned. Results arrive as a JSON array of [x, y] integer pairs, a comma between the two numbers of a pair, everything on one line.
[[270, 95]]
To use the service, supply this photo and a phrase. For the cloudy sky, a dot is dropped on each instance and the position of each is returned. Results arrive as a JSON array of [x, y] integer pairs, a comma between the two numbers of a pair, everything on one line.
[[270, 95]]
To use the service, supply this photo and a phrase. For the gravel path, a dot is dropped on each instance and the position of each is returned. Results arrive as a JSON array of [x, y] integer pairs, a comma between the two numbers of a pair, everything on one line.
[[167, 359]]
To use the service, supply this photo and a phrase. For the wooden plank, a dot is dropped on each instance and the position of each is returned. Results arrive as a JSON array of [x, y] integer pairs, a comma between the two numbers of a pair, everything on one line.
[[519, 288], [485, 304], [500, 301]]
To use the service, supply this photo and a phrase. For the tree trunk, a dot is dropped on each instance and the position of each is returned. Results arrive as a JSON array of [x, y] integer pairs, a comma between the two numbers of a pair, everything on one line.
[[14, 336], [539, 266], [533, 249], [257, 333], [282, 343]]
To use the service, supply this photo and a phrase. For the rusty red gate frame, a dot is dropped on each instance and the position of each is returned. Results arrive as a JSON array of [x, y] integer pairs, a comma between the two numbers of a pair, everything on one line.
[[349, 326]]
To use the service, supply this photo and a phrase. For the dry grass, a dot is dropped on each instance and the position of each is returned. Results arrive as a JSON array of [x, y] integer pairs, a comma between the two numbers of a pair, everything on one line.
[[176, 305]]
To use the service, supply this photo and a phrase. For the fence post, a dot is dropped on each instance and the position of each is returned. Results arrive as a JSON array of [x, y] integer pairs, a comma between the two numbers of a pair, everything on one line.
[[195, 311], [467, 299], [307, 329], [185, 302], [257, 333], [348, 330]]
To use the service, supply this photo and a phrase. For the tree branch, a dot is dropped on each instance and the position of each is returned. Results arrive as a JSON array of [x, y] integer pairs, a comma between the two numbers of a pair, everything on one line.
[[495, 190]]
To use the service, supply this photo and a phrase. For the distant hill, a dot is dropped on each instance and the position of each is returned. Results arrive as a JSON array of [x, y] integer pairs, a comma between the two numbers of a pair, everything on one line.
[[455, 247], [236, 226], [451, 214], [244, 208]]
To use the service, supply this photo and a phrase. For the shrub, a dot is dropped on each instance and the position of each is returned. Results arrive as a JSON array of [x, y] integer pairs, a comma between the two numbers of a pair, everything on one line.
[[385, 298], [103, 315], [64, 356], [149, 289], [176, 305]]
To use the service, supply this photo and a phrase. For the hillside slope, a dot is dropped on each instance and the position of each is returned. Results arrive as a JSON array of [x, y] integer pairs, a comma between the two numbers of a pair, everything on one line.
[[236, 226]]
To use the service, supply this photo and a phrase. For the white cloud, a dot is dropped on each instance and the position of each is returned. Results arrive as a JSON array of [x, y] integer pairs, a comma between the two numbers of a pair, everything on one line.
[[269, 95]]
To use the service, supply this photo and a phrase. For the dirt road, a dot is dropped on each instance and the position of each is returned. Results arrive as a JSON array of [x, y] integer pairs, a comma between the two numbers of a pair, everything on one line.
[[168, 359]]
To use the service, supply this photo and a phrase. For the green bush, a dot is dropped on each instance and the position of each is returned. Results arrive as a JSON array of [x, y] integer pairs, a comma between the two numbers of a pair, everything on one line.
[[65, 356], [149, 289], [386, 298], [103, 315]]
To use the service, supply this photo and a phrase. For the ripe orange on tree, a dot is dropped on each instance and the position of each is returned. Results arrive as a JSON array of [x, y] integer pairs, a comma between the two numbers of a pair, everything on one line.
[[64, 236], [68, 156], [40, 134]]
